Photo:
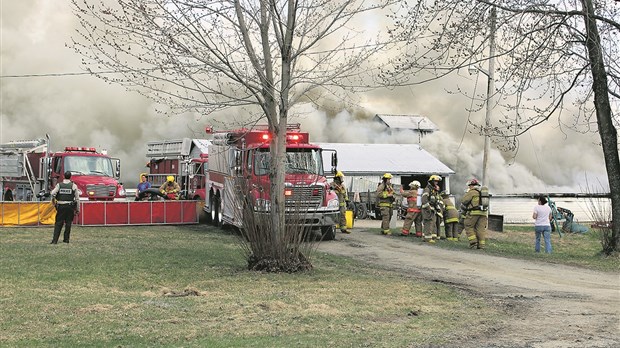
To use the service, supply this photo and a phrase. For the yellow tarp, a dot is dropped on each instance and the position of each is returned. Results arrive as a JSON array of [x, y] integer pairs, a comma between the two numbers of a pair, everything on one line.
[[27, 213]]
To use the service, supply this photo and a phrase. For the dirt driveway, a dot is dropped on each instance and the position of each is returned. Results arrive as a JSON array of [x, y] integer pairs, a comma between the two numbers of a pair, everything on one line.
[[548, 305]]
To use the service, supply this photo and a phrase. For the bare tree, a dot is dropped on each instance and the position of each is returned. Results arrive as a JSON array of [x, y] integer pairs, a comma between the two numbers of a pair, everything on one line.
[[204, 56], [554, 60]]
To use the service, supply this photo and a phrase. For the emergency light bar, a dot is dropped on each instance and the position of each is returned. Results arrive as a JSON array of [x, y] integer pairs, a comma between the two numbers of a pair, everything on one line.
[[77, 148]]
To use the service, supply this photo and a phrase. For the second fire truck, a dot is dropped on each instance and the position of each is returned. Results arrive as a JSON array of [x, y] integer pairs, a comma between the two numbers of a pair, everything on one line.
[[244, 154]]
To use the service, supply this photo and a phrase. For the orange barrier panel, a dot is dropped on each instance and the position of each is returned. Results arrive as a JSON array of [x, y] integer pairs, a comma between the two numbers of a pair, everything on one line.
[[27, 213]]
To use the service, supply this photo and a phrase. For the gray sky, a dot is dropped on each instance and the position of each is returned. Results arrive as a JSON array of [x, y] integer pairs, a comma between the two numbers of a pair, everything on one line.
[[85, 111]]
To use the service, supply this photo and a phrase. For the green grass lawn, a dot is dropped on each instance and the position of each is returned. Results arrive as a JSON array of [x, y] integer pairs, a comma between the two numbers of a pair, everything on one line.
[[517, 241], [187, 286]]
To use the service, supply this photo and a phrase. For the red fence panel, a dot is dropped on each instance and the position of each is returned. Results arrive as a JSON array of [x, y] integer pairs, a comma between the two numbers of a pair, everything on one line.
[[140, 213]]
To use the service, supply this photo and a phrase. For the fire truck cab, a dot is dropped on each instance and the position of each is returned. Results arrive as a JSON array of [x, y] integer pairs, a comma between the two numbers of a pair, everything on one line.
[[244, 154], [31, 171]]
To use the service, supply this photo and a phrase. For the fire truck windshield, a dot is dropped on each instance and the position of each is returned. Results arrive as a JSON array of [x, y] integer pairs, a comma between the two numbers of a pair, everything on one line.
[[89, 165], [298, 161]]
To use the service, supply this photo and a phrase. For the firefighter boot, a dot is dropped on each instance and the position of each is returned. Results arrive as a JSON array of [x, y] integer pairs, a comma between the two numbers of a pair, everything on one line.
[[473, 242], [482, 244], [345, 231], [387, 232], [418, 234]]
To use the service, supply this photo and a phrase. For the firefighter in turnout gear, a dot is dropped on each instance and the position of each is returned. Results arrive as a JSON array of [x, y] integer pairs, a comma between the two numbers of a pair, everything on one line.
[[414, 214], [170, 188], [341, 191], [385, 199], [475, 215], [65, 197], [430, 208], [450, 218]]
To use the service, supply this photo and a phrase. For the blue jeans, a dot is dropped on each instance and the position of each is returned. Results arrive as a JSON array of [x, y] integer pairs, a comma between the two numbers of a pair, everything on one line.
[[546, 232]]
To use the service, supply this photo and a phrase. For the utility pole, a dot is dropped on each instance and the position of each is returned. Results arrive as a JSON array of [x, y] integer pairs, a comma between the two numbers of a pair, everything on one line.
[[490, 93]]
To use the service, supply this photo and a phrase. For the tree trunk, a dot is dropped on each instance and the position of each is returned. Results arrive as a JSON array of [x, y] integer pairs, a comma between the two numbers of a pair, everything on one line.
[[607, 131]]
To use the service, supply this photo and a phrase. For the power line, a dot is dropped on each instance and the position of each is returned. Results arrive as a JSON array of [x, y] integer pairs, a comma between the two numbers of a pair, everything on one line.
[[55, 74]]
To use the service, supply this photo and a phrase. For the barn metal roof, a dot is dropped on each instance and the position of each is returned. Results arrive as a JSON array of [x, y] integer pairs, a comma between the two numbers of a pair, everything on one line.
[[202, 145], [413, 122], [368, 159]]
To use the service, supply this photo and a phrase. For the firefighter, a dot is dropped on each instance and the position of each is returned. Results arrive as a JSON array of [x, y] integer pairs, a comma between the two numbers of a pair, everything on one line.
[[475, 216], [170, 188], [430, 207], [341, 191], [451, 218], [65, 197], [414, 215], [385, 200]]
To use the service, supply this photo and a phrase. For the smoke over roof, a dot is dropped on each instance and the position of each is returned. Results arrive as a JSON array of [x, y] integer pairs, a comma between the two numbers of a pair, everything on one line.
[[80, 110]]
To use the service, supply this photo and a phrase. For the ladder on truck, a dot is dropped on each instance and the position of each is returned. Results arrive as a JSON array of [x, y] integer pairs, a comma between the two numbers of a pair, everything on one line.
[[14, 161]]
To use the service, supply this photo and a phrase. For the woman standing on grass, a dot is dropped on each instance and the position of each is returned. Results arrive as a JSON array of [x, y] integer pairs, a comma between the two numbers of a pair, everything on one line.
[[542, 224]]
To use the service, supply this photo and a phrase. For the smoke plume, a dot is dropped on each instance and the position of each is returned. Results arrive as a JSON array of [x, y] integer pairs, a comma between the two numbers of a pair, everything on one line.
[[80, 110]]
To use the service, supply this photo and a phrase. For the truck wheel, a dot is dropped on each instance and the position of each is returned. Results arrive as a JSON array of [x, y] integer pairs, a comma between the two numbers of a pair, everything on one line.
[[328, 232], [360, 211]]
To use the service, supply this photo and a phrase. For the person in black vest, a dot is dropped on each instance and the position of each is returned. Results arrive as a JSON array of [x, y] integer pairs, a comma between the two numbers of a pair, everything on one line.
[[65, 197], [8, 194]]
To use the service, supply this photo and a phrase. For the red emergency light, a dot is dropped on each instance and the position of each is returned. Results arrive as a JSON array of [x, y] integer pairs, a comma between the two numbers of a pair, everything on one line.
[[78, 148], [265, 136], [297, 138]]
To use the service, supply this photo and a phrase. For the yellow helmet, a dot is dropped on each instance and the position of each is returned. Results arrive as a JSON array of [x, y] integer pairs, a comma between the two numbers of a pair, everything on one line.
[[339, 174], [170, 178], [434, 178], [414, 183], [387, 176], [143, 175]]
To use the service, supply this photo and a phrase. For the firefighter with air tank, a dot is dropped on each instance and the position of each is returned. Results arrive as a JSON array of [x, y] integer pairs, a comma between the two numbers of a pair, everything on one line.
[[451, 218], [343, 198], [385, 200], [414, 214], [431, 208], [474, 205]]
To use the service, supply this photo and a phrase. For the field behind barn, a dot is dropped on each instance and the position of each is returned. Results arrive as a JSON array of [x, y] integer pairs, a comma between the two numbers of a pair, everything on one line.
[[187, 286]]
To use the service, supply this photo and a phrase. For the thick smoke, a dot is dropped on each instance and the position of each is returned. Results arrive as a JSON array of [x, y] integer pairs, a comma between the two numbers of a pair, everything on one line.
[[84, 111]]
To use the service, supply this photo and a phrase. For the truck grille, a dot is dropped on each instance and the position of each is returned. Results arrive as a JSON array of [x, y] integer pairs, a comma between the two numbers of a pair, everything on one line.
[[304, 197], [100, 191]]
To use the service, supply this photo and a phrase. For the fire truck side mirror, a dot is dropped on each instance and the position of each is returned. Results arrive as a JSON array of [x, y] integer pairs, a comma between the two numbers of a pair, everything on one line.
[[238, 163], [117, 166], [334, 162]]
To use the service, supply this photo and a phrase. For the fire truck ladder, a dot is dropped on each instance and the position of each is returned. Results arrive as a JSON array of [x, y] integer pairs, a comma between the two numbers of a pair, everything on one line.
[[23, 148]]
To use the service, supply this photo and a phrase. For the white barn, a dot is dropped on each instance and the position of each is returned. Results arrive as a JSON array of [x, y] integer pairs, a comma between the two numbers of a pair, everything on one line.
[[364, 164]]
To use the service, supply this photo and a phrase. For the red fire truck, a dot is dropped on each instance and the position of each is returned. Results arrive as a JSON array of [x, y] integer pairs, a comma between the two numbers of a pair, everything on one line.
[[186, 159], [31, 170], [244, 153]]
